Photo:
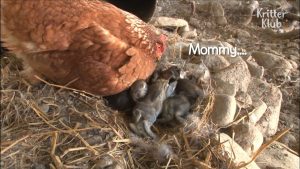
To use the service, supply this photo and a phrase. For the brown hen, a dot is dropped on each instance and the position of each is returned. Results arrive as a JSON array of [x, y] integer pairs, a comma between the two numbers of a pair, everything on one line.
[[94, 45]]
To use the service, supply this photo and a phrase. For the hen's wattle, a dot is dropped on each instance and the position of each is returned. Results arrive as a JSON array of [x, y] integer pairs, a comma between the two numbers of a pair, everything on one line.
[[88, 44]]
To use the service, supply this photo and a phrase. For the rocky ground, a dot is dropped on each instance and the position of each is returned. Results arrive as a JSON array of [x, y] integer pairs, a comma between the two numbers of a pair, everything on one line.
[[266, 78], [251, 101]]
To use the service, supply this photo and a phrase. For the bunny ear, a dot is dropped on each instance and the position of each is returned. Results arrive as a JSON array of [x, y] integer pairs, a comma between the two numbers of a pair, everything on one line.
[[171, 88]]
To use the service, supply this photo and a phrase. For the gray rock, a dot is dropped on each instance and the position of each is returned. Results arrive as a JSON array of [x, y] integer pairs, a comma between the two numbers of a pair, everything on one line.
[[294, 64], [233, 60], [235, 153], [210, 43], [195, 22], [255, 70], [248, 137], [243, 99], [260, 108], [267, 60], [215, 9], [224, 109], [190, 34], [215, 62], [222, 87], [226, 44], [217, 12], [247, 57], [248, 10], [168, 22], [277, 156], [242, 34], [272, 96], [237, 73], [274, 63]]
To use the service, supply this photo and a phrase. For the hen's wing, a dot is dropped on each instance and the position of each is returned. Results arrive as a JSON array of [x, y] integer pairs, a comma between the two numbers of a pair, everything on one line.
[[94, 53], [55, 64], [104, 55]]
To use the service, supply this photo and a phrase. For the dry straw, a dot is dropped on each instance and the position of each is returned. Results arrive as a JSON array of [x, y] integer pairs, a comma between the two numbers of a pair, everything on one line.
[[60, 127]]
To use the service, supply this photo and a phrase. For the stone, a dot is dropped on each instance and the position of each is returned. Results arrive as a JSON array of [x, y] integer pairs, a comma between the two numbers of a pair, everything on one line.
[[248, 12], [255, 70], [215, 62], [215, 9], [217, 12], [274, 63], [272, 96], [224, 109], [233, 60], [267, 60], [237, 73], [190, 34], [226, 44], [294, 64], [243, 99], [277, 156], [243, 9], [248, 137], [222, 87], [168, 22], [195, 22], [234, 152], [260, 108], [242, 34]]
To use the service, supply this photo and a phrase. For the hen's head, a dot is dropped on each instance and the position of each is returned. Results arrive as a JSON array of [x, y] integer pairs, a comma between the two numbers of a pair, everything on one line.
[[150, 39], [156, 42], [160, 45]]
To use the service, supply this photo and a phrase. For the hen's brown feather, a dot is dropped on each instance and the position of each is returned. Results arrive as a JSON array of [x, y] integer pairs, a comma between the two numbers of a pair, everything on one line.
[[101, 47]]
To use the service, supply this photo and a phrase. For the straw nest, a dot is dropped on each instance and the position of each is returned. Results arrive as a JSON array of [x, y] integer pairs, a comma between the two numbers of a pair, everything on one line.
[[52, 126]]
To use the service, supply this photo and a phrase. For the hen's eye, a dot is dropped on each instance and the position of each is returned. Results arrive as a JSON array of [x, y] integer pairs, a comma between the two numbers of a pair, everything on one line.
[[159, 47]]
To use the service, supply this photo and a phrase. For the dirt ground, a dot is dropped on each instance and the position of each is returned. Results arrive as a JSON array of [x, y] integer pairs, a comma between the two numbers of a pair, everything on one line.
[[258, 40]]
